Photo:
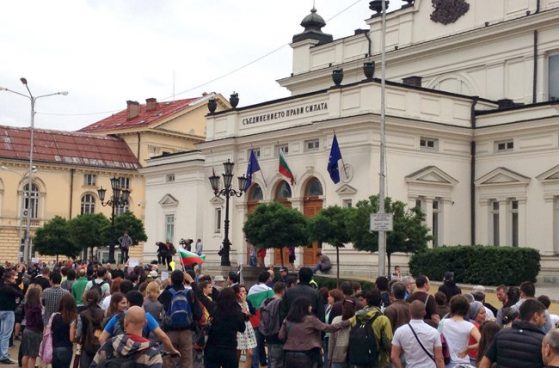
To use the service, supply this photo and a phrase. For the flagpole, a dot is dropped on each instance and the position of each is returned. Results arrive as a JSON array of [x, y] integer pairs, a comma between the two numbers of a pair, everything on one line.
[[342, 159]]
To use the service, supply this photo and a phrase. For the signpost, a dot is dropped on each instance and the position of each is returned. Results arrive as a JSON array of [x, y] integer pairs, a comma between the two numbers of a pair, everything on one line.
[[381, 222]]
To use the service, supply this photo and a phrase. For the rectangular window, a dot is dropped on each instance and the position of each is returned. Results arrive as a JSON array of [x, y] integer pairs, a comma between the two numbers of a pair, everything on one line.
[[124, 183], [347, 203], [89, 179], [435, 229], [503, 146], [217, 224], [282, 147], [494, 218], [256, 153], [553, 78], [170, 178], [312, 145], [169, 228], [514, 222], [431, 144]]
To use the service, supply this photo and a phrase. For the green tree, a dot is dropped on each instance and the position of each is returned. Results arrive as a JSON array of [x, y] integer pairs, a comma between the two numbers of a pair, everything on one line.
[[409, 234], [275, 226], [53, 239], [86, 231], [330, 226], [125, 222]]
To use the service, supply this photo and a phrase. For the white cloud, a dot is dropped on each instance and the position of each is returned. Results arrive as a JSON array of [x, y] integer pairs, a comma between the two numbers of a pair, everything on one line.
[[107, 52]]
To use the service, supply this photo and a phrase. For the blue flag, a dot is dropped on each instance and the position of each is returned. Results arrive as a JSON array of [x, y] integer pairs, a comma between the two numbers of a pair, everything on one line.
[[251, 168], [335, 156]]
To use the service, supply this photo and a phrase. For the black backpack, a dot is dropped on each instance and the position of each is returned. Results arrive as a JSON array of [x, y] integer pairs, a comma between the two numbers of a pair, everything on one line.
[[115, 360], [363, 349], [98, 287], [269, 317], [92, 321]]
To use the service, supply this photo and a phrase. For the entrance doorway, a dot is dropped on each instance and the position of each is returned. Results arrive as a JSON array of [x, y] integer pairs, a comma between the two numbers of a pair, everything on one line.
[[312, 204], [283, 196]]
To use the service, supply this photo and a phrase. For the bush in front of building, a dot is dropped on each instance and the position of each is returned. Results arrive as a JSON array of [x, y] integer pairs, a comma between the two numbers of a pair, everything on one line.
[[485, 265], [330, 282]]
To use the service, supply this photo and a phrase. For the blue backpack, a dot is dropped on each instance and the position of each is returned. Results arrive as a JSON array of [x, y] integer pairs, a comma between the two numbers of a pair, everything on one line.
[[179, 316]]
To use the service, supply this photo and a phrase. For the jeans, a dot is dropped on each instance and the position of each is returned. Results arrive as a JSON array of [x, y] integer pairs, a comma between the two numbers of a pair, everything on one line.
[[7, 321], [61, 357], [124, 254], [275, 355]]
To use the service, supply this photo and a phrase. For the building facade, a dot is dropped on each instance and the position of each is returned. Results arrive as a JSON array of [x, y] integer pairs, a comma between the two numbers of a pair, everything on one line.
[[472, 132]]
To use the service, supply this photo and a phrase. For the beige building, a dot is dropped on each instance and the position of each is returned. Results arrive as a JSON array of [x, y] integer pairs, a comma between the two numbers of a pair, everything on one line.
[[472, 122]]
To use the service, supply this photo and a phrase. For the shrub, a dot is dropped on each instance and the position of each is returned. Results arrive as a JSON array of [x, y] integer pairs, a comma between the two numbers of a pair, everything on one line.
[[486, 265], [330, 282]]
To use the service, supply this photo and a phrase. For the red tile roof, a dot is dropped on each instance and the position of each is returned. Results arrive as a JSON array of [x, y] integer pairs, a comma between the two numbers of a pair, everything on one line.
[[67, 148], [120, 121]]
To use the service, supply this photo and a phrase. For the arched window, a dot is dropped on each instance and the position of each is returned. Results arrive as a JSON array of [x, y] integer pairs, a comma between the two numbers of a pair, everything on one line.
[[255, 193], [88, 204], [314, 188], [283, 191], [31, 199]]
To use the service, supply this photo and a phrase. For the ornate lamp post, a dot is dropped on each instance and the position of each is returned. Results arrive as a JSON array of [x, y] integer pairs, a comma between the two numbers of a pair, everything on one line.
[[227, 192], [118, 199]]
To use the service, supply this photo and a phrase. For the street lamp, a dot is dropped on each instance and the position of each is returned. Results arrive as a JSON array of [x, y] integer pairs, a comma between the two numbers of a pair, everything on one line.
[[227, 192], [33, 100], [118, 199]]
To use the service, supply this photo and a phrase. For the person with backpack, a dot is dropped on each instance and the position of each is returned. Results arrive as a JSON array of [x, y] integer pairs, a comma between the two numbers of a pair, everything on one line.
[[90, 327], [131, 348], [302, 332], [370, 335], [182, 311], [338, 342], [99, 284], [115, 326], [270, 326], [257, 294], [33, 332]]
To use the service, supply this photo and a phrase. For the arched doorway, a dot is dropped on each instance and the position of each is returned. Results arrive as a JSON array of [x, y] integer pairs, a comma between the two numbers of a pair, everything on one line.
[[282, 195], [312, 204], [254, 196]]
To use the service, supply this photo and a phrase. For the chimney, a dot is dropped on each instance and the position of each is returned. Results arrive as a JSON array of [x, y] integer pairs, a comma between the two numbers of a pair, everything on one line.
[[414, 81], [151, 104], [132, 109]]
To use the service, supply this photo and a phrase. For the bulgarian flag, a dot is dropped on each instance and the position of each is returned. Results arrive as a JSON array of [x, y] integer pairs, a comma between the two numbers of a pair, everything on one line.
[[284, 168], [189, 258]]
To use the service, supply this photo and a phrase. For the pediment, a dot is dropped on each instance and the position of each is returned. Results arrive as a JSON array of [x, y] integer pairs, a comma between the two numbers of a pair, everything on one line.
[[431, 175], [502, 176], [168, 201], [551, 175], [346, 189]]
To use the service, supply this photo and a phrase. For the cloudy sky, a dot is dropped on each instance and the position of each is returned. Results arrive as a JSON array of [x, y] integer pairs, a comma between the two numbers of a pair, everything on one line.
[[104, 52]]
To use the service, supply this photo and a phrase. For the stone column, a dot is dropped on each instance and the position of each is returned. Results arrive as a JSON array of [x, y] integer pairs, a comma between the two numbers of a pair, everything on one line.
[[429, 217], [504, 214]]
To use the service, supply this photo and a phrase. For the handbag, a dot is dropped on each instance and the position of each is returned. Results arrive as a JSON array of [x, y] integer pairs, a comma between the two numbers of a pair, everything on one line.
[[46, 349]]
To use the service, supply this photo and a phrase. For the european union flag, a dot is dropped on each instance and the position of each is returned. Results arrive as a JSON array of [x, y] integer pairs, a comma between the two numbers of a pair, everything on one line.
[[251, 168], [335, 156]]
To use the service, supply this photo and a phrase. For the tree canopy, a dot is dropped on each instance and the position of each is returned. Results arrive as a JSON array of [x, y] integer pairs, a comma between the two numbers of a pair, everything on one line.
[[87, 230], [329, 226], [128, 222], [409, 233], [275, 226], [54, 239]]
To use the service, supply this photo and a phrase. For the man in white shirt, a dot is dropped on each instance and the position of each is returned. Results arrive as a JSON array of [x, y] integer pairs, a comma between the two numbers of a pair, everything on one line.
[[420, 342]]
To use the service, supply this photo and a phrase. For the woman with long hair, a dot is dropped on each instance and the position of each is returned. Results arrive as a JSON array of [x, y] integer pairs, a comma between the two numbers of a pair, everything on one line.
[[301, 330], [245, 340], [488, 330], [91, 328], [33, 332], [119, 304], [151, 304], [227, 320], [339, 341], [63, 330], [115, 288]]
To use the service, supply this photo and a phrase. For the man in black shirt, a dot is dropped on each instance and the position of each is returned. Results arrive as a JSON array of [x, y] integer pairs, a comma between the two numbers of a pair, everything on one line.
[[10, 295], [303, 289]]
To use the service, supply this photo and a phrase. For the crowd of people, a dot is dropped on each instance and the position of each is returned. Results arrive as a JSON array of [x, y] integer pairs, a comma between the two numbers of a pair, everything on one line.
[[90, 315]]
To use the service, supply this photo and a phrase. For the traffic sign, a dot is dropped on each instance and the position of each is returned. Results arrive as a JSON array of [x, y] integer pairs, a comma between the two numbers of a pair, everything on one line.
[[381, 222]]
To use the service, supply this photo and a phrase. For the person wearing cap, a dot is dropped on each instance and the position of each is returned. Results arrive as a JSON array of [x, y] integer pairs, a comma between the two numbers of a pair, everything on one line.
[[219, 282], [449, 286], [283, 275]]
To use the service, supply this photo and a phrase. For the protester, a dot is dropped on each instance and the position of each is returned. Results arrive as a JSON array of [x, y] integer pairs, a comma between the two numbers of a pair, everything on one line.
[[398, 312], [527, 292], [257, 294], [442, 304], [199, 247], [70, 279], [9, 294], [90, 327], [324, 265], [338, 343], [449, 287], [33, 332], [78, 287], [554, 318], [410, 286], [161, 253], [99, 283], [63, 327], [550, 349], [43, 279], [457, 331], [52, 296], [151, 304], [338, 298], [488, 330], [420, 342], [270, 326], [422, 294], [303, 289], [382, 285], [521, 345], [396, 274], [478, 292], [246, 340], [125, 242], [131, 344], [301, 331], [476, 315]]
